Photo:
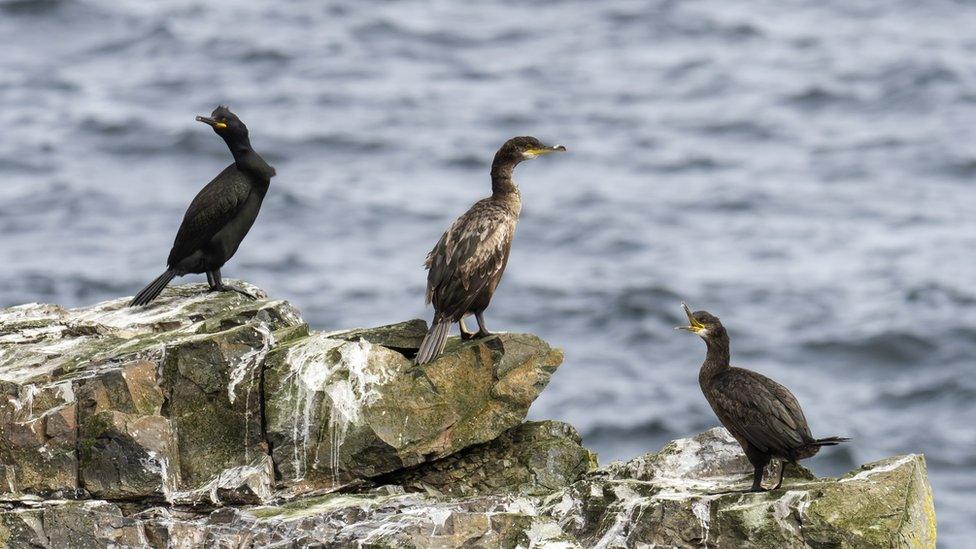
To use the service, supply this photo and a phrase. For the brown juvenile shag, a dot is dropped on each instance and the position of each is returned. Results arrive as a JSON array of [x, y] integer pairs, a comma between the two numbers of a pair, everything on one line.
[[761, 414], [466, 265]]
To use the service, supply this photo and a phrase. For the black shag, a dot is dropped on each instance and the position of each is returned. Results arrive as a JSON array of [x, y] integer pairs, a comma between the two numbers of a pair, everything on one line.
[[466, 265], [221, 214], [762, 415]]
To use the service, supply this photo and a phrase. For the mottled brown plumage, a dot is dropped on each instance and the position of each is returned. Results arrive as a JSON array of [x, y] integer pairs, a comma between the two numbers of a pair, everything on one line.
[[467, 263], [762, 415]]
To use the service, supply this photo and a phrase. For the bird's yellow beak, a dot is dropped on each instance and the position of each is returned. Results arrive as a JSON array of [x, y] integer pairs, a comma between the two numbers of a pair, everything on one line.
[[693, 325], [210, 121], [532, 153]]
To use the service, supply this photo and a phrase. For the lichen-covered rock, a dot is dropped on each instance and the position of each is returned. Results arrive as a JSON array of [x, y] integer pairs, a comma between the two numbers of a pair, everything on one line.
[[678, 497], [534, 458], [186, 398], [118, 402], [340, 407], [690, 495], [128, 448], [38, 439], [213, 387], [215, 420], [68, 524], [544, 456]]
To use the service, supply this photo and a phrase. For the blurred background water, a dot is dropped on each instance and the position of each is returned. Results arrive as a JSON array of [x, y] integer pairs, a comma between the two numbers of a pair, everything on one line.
[[803, 170]]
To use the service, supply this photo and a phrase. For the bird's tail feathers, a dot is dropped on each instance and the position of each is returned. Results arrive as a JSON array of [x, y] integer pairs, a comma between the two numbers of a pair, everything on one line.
[[829, 441], [153, 290], [434, 341]]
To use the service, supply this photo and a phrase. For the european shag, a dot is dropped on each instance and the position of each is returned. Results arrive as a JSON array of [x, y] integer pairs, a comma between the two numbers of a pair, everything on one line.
[[762, 415], [466, 265], [221, 214]]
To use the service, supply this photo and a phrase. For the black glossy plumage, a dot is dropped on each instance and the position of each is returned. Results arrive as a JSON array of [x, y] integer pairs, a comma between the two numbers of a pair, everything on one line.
[[467, 263], [763, 416], [220, 215]]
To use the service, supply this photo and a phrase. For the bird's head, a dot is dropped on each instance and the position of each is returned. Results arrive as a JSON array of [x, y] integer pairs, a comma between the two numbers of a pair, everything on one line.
[[225, 124], [703, 323], [518, 149]]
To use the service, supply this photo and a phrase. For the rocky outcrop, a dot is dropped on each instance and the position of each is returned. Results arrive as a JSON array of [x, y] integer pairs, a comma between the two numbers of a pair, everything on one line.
[[549, 496], [219, 420], [690, 495], [232, 399]]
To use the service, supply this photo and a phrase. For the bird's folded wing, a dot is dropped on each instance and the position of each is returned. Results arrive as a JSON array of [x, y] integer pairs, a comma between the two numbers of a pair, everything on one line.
[[763, 412], [468, 257], [211, 210]]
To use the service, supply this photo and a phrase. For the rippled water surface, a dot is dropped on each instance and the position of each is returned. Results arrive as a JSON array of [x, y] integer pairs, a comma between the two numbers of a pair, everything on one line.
[[803, 170]]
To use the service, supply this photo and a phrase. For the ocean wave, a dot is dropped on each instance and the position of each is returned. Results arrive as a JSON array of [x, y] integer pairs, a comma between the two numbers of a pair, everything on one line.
[[392, 30], [687, 164], [604, 432], [30, 7], [925, 391], [818, 97], [888, 347]]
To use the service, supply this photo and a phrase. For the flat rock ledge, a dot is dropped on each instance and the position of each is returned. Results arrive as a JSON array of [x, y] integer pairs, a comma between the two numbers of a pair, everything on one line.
[[214, 419]]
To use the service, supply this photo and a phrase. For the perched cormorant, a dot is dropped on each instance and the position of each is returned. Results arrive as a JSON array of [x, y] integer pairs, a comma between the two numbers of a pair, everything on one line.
[[467, 263], [761, 414], [221, 214]]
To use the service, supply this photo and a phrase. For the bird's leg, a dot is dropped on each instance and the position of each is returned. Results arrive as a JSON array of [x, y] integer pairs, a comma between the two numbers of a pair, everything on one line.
[[782, 471], [217, 285], [482, 328], [757, 478], [466, 335]]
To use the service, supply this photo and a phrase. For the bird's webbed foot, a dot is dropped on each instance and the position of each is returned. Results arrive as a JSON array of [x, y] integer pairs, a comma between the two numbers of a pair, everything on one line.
[[417, 372], [226, 288], [733, 491]]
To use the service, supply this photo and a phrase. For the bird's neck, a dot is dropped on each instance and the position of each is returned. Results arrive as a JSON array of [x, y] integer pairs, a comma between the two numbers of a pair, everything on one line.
[[716, 359], [248, 160], [501, 179]]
